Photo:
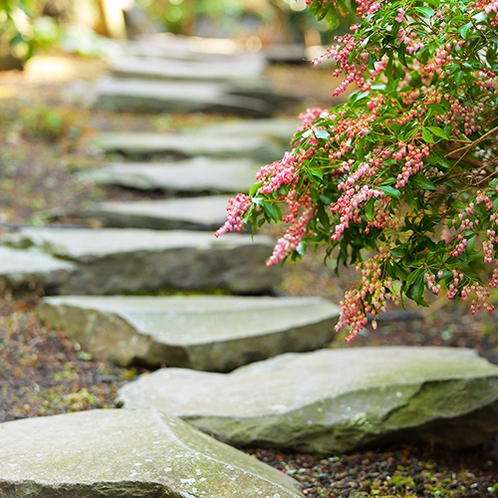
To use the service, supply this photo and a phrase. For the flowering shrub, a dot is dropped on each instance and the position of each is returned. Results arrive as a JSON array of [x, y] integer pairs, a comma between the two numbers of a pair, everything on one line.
[[402, 179]]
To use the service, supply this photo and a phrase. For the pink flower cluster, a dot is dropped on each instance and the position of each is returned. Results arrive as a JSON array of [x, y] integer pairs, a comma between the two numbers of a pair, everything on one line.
[[410, 39], [348, 206], [292, 237], [276, 174], [237, 207], [431, 283], [413, 157], [371, 296]]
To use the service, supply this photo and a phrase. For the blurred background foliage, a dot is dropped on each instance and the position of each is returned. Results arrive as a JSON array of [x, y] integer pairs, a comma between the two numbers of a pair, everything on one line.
[[77, 25]]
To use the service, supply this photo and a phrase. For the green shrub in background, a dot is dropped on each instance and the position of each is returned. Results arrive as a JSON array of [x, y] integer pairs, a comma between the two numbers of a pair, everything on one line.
[[23, 28]]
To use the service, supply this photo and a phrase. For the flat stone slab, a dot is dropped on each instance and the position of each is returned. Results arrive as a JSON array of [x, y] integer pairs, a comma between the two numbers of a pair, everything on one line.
[[198, 174], [282, 129], [335, 400], [217, 333], [31, 269], [191, 48], [188, 213], [127, 453], [114, 260], [163, 69], [139, 95], [256, 148]]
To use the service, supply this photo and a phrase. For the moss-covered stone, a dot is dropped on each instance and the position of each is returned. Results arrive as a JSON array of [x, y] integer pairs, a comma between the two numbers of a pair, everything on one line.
[[127, 454], [335, 400]]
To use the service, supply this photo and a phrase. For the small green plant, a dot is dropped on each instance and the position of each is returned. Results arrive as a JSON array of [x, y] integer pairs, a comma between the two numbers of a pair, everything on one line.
[[39, 121]]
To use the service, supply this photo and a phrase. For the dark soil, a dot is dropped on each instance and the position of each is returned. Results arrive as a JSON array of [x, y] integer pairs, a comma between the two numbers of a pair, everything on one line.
[[43, 372]]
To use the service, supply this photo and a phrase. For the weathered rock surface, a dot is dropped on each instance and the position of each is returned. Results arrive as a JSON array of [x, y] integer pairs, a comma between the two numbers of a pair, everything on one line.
[[155, 68], [128, 454], [191, 48], [216, 333], [282, 129], [188, 213], [198, 174], [177, 96], [257, 148], [113, 261], [31, 269], [335, 400]]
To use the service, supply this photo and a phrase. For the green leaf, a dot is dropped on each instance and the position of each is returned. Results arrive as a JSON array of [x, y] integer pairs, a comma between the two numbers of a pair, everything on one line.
[[426, 12], [439, 132], [413, 275], [420, 181], [390, 191], [254, 189], [370, 209], [322, 134], [427, 136], [464, 30], [471, 245], [398, 252], [410, 198], [273, 211]]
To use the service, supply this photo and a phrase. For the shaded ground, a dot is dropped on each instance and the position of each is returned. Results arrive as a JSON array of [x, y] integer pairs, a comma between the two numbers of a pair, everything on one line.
[[43, 372]]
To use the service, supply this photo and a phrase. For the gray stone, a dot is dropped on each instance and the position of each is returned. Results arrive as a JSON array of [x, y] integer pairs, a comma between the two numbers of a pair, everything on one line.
[[31, 269], [111, 261], [187, 48], [118, 94], [282, 129], [201, 332], [294, 53], [184, 145], [199, 174], [335, 400], [127, 454], [188, 213], [164, 69]]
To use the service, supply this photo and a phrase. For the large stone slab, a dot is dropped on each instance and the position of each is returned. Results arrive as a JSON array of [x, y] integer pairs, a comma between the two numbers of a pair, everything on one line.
[[335, 400], [113, 261], [163, 69], [188, 213], [192, 48], [126, 453], [184, 145], [217, 333], [138, 95], [199, 174], [31, 269], [282, 129]]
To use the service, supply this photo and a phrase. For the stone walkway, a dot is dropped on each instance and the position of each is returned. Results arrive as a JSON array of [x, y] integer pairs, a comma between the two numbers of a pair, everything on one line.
[[325, 400]]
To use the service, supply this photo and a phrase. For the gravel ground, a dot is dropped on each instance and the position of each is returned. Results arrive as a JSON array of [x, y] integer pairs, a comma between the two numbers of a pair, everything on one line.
[[43, 372]]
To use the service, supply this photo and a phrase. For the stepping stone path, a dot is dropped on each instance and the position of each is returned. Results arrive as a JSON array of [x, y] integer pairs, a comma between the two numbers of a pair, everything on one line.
[[232, 84], [143, 453], [199, 174], [199, 213], [110, 261], [333, 401], [326, 401], [216, 333]]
